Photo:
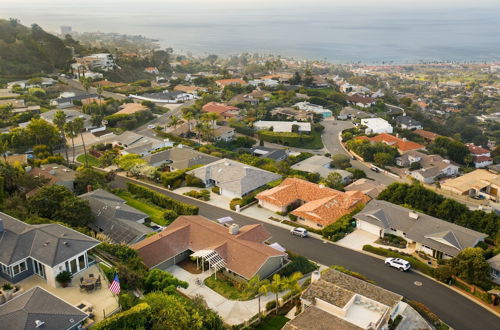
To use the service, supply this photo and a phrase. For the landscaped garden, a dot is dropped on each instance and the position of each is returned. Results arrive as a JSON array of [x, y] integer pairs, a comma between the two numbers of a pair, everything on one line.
[[228, 288], [392, 240], [156, 213], [91, 159], [272, 322]]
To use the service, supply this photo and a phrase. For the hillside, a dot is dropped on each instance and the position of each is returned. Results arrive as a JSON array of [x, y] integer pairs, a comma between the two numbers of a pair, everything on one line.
[[27, 51]]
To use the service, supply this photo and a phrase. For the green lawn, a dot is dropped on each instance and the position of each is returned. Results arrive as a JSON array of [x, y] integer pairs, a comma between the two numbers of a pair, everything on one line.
[[272, 322], [226, 289], [155, 213], [92, 160], [316, 143]]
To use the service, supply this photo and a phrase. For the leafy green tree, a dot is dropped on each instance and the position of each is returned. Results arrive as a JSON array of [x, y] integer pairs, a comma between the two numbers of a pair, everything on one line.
[[128, 161], [89, 177], [471, 266], [160, 280], [340, 161], [383, 158], [334, 181], [356, 173], [4, 148], [41, 132]]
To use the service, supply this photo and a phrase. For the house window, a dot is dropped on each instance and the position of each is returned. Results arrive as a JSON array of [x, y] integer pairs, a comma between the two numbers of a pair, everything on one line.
[[19, 268], [6, 269], [81, 262]]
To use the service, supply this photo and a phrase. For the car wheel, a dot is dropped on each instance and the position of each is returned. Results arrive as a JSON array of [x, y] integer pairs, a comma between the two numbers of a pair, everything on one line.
[[401, 269]]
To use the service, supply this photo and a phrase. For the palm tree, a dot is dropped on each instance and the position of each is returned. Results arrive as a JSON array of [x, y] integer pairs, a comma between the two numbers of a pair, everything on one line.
[[60, 120], [188, 116], [292, 282], [174, 121], [86, 84], [255, 287], [69, 128], [78, 126], [276, 285], [4, 148]]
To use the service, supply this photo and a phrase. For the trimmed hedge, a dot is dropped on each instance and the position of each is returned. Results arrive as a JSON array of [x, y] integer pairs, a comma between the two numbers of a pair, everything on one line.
[[134, 318], [162, 200], [288, 139], [427, 314], [415, 263], [170, 215], [192, 181], [243, 129], [340, 228], [234, 202]]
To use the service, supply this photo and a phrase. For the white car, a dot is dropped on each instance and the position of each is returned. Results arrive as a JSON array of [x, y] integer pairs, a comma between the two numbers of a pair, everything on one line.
[[151, 126], [398, 263], [299, 231]]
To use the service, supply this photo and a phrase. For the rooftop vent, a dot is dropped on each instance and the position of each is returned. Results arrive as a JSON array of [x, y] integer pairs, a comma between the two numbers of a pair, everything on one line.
[[66, 244], [413, 215], [39, 324], [46, 243]]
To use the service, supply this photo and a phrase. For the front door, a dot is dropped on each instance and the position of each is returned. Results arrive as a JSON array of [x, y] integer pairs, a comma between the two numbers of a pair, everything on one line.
[[39, 269], [437, 254]]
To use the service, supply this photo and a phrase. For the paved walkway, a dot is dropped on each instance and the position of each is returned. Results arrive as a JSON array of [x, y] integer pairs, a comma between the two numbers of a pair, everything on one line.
[[232, 311]]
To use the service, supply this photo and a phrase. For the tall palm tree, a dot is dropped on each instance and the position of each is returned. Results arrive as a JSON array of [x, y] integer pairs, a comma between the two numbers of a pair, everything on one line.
[[255, 286], [174, 121], [60, 120], [4, 148], [276, 285], [292, 282], [188, 116], [78, 126], [70, 132]]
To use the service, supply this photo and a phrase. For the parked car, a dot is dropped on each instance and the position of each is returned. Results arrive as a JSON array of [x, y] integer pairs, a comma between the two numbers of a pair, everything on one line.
[[151, 126], [299, 231], [374, 169], [398, 263], [157, 228]]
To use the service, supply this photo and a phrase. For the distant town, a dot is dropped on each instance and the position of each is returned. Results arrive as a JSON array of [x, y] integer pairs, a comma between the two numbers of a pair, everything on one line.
[[142, 188]]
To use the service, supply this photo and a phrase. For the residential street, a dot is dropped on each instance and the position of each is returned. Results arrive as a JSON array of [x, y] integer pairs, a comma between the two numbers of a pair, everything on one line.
[[331, 141], [458, 311]]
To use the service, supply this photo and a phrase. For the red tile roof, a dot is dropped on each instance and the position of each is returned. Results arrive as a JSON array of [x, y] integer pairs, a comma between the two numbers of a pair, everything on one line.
[[401, 144], [220, 108], [227, 82], [477, 150], [426, 134], [480, 159], [322, 205], [360, 99], [243, 253]]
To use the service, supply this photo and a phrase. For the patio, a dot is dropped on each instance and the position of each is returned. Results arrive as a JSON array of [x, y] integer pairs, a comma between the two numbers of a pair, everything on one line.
[[101, 301]]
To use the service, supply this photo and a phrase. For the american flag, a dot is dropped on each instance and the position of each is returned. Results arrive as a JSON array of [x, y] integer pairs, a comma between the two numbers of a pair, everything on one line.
[[115, 285]]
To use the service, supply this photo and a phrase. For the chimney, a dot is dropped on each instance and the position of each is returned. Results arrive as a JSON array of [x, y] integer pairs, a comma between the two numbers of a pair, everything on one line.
[[413, 215], [315, 276], [1, 225], [39, 324], [234, 229]]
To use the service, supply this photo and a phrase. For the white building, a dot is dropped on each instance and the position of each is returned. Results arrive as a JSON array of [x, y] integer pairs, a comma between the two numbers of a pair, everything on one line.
[[376, 126], [283, 126], [103, 61], [265, 82]]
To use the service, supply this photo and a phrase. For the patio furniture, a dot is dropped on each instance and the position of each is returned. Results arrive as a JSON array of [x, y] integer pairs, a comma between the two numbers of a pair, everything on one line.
[[82, 287], [98, 283], [91, 275], [89, 283], [81, 280]]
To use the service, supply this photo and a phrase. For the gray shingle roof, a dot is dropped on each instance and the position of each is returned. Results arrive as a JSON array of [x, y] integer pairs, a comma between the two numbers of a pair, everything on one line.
[[39, 305], [50, 244], [181, 158], [118, 220], [234, 176], [435, 233]]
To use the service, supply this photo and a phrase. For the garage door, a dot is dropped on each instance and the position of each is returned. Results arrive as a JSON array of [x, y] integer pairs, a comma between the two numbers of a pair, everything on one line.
[[368, 227]]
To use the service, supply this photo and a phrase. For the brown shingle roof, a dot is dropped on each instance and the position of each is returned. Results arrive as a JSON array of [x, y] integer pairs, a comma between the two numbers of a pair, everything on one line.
[[227, 82], [243, 253], [431, 136]]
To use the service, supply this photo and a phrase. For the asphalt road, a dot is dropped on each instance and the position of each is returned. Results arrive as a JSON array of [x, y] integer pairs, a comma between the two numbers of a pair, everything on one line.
[[331, 142], [456, 310]]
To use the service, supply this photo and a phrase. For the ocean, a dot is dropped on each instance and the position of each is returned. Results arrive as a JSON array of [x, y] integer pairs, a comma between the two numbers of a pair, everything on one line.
[[365, 31]]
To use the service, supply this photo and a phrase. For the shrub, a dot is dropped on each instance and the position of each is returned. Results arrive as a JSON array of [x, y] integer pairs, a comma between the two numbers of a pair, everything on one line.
[[134, 318], [216, 190], [243, 129], [271, 305], [292, 217], [162, 200], [425, 312], [64, 277], [192, 181], [289, 139], [234, 202], [202, 195], [298, 263], [341, 227], [351, 273], [119, 251], [127, 301], [170, 215]]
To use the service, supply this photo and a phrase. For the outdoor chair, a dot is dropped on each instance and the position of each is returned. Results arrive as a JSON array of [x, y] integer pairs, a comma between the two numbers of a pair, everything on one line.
[[98, 284], [82, 288], [91, 275]]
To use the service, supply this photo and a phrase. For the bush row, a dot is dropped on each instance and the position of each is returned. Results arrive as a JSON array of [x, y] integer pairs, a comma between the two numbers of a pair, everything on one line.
[[134, 318], [288, 139], [243, 129], [415, 263], [162, 200]]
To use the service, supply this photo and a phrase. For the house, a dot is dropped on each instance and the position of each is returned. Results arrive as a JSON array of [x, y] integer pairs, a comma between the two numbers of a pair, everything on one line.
[[266, 82], [271, 153], [376, 125], [228, 82], [351, 113], [70, 115], [403, 145], [321, 165], [368, 187], [152, 70], [179, 158], [38, 308], [122, 223], [44, 250], [233, 178], [56, 174], [433, 167], [481, 156], [239, 251], [426, 135], [24, 84], [336, 300], [252, 98], [475, 184], [314, 205], [283, 126], [224, 110], [314, 108], [223, 133], [195, 90], [495, 268], [407, 122], [435, 237], [101, 62], [360, 100], [291, 114], [130, 108], [164, 97], [69, 100]]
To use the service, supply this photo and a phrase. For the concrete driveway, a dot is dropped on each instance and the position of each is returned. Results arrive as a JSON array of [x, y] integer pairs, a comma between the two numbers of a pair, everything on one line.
[[357, 239]]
